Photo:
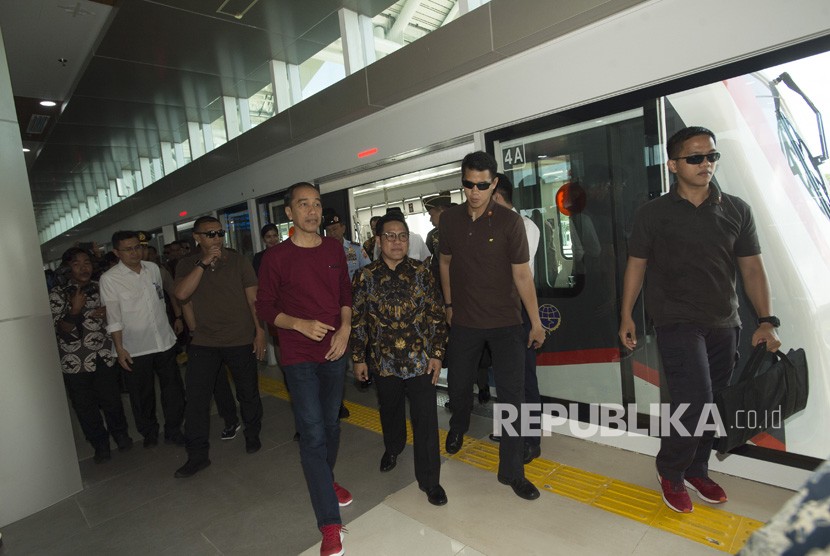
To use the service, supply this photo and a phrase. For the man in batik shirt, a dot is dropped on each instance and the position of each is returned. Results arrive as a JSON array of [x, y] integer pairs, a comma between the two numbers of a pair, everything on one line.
[[397, 313]]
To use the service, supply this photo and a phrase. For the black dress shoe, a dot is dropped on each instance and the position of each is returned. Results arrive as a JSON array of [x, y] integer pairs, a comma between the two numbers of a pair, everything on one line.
[[531, 453], [388, 462], [151, 440], [190, 468], [435, 495], [454, 442], [484, 396], [522, 487], [252, 444], [495, 437]]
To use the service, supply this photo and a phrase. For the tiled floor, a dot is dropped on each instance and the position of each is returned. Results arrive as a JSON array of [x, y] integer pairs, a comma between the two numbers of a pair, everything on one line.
[[258, 504]]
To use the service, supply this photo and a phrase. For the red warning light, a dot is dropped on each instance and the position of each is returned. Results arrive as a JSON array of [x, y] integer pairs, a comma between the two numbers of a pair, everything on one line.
[[367, 152], [570, 199], [183, 213]]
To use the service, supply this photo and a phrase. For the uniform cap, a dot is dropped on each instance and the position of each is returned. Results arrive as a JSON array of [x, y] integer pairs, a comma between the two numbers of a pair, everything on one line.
[[330, 217]]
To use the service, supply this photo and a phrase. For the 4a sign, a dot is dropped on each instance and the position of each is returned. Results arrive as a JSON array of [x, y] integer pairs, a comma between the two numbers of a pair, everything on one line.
[[513, 156]]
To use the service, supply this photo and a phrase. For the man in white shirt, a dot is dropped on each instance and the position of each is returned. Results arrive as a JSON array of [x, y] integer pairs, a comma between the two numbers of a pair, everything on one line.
[[133, 294], [503, 195]]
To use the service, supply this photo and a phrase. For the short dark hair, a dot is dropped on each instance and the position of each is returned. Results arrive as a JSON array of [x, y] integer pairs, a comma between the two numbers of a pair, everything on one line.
[[289, 193], [675, 142], [480, 161], [70, 254], [202, 220], [390, 217], [120, 236], [267, 228], [504, 187]]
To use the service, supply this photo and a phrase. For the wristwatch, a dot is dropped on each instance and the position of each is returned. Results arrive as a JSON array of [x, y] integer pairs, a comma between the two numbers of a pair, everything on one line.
[[773, 320], [201, 264]]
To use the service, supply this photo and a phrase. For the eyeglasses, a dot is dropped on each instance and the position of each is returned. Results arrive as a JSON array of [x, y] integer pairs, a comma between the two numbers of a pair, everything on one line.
[[392, 236], [482, 185], [212, 234], [133, 249], [696, 159]]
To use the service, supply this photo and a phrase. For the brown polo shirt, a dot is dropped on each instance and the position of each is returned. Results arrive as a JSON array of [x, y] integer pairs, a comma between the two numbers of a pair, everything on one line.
[[220, 306], [691, 253], [481, 272]]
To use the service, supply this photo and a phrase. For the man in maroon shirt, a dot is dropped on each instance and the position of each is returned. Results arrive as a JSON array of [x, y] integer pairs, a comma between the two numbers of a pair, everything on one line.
[[306, 293]]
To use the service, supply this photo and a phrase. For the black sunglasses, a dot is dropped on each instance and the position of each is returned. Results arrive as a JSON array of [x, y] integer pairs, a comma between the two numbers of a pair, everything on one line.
[[212, 234], [482, 185], [696, 159]]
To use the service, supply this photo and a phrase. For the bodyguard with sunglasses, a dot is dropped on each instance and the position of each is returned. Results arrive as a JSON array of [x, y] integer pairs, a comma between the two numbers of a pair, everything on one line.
[[220, 287], [690, 243], [486, 278]]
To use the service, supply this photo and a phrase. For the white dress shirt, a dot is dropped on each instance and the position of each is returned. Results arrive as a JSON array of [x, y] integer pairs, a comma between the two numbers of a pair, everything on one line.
[[533, 234], [135, 305]]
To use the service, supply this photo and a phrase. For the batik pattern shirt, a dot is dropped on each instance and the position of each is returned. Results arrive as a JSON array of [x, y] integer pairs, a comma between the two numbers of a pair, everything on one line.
[[398, 314], [88, 339]]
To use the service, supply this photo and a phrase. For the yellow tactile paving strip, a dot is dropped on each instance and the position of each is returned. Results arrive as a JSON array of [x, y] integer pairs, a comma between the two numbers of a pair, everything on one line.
[[716, 528]]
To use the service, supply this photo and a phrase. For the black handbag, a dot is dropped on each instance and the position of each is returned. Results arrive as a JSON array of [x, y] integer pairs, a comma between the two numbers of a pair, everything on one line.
[[771, 388]]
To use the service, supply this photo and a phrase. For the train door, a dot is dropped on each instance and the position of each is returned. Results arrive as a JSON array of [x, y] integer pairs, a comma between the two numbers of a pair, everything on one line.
[[405, 192], [236, 221], [581, 183]]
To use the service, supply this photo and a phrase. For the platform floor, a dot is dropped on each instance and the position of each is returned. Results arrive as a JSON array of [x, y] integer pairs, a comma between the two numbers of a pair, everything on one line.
[[258, 504]]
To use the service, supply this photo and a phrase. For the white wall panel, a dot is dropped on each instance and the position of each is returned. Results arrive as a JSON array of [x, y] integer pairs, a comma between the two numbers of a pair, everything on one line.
[[38, 465]]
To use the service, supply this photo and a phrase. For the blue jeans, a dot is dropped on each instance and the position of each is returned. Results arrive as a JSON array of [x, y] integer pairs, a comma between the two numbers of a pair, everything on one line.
[[316, 395]]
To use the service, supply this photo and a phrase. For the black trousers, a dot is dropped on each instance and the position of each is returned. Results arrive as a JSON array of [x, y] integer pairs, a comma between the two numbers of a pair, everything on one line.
[[698, 363], [532, 395], [141, 384], [507, 345], [423, 413], [223, 396], [203, 367], [93, 393]]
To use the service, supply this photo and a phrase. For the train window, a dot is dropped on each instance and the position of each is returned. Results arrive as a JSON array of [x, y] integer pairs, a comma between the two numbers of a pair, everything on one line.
[[237, 222]]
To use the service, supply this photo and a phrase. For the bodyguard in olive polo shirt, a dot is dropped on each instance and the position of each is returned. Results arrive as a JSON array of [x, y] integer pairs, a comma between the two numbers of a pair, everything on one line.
[[485, 278], [689, 243], [221, 287]]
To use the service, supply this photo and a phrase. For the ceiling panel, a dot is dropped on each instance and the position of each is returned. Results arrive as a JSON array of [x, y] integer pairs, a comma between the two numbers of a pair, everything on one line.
[[137, 72]]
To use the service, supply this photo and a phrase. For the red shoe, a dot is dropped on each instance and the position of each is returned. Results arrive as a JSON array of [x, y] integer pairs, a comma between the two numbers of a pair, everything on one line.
[[675, 495], [344, 497], [706, 489], [332, 544]]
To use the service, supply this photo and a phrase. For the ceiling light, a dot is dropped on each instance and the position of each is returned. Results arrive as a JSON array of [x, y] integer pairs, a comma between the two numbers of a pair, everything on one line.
[[25, 150], [48, 103]]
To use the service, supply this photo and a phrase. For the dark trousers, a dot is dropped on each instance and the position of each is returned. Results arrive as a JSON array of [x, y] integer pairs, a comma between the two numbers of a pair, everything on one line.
[[423, 412], [223, 395], [698, 363], [507, 345], [532, 395], [316, 394], [203, 367], [141, 383], [93, 393]]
